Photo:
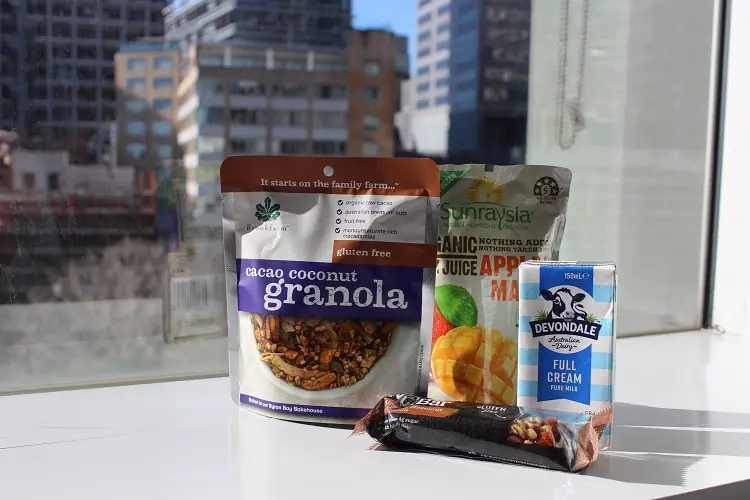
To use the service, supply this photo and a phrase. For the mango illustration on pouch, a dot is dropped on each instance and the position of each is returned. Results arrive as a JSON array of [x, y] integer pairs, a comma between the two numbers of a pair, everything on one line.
[[492, 220], [327, 306]]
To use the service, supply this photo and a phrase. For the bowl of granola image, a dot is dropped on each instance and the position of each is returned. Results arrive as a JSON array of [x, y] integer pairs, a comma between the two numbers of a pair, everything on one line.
[[325, 358]]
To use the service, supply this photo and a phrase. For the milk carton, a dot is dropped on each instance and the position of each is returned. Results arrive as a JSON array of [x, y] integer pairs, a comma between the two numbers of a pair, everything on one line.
[[566, 337]]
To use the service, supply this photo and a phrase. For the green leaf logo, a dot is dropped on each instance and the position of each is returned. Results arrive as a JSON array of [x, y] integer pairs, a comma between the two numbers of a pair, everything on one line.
[[267, 211], [541, 315]]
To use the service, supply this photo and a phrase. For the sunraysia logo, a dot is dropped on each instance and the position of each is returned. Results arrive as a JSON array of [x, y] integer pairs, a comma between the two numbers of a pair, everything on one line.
[[485, 204], [566, 316]]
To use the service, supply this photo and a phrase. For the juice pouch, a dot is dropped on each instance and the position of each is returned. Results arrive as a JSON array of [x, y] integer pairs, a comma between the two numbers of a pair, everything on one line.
[[330, 270], [492, 218]]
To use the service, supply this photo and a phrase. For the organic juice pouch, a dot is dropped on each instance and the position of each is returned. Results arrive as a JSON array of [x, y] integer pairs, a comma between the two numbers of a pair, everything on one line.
[[492, 218]]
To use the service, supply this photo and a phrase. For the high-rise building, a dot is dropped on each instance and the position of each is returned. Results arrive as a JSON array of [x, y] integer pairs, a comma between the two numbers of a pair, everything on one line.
[[306, 23], [468, 96], [57, 71]]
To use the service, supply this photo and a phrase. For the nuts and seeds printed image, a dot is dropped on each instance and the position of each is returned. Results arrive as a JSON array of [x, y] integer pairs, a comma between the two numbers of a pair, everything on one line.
[[492, 218], [330, 268], [567, 337]]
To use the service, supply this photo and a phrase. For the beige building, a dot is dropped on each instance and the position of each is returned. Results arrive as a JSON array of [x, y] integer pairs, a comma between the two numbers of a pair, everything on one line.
[[146, 75]]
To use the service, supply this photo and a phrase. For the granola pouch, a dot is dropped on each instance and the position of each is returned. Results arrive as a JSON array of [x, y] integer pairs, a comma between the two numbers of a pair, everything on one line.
[[330, 272]]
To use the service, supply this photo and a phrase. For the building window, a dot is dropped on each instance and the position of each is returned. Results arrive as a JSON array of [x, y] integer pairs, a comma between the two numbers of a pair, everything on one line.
[[289, 90], [444, 64], [162, 83], [444, 27], [29, 181], [289, 147], [163, 104], [424, 52], [135, 84], [135, 150], [290, 118], [163, 62], [371, 122], [136, 64], [248, 87], [443, 82], [330, 119], [53, 182], [443, 99], [425, 35], [210, 145], [372, 94], [332, 92], [444, 9], [163, 151], [444, 45], [423, 70], [242, 116], [422, 3], [329, 148], [136, 128], [425, 18], [372, 68], [215, 115], [135, 105], [370, 149], [162, 127], [423, 87], [423, 103], [247, 146]]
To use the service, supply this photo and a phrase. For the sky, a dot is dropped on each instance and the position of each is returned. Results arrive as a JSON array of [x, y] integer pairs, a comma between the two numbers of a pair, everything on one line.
[[396, 15]]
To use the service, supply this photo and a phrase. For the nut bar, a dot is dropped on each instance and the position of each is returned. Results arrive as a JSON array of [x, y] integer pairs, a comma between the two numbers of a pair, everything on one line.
[[507, 434]]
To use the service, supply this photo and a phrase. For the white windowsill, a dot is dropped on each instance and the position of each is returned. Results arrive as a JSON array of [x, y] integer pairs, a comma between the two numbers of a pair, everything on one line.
[[186, 440]]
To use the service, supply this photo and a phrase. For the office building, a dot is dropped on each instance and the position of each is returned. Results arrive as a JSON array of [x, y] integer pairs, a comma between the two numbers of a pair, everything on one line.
[[468, 96], [378, 64], [146, 76], [291, 23], [57, 72]]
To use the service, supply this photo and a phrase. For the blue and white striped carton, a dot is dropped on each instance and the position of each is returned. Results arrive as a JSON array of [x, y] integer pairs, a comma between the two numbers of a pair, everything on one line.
[[566, 337]]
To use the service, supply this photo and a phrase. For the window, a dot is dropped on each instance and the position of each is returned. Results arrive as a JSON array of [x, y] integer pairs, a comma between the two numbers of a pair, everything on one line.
[[444, 9], [423, 70], [53, 182], [162, 127], [442, 82], [372, 68], [135, 105], [135, 84], [210, 145], [290, 118], [162, 104], [370, 149], [330, 119], [163, 62], [289, 90], [422, 3], [332, 92], [136, 150], [425, 18], [136, 64], [444, 64], [163, 151], [29, 181], [423, 87], [162, 83], [424, 52], [329, 148], [423, 103], [443, 99], [289, 147], [215, 115], [425, 35], [242, 116], [247, 146], [248, 87], [371, 122], [372, 94], [444, 45], [136, 128]]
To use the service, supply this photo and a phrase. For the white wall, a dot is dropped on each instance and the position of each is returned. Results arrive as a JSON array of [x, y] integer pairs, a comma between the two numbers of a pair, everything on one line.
[[640, 164], [731, 301]]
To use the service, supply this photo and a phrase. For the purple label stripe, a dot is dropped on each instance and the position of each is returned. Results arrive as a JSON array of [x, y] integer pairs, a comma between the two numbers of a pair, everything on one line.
[[297, 409]]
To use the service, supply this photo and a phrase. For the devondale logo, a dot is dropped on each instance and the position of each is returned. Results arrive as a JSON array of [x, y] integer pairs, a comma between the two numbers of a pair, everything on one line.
[[565, 316], [267, 211]]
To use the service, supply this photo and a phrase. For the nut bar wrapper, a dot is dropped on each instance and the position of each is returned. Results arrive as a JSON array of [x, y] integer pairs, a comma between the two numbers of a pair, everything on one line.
[[508, 434]]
